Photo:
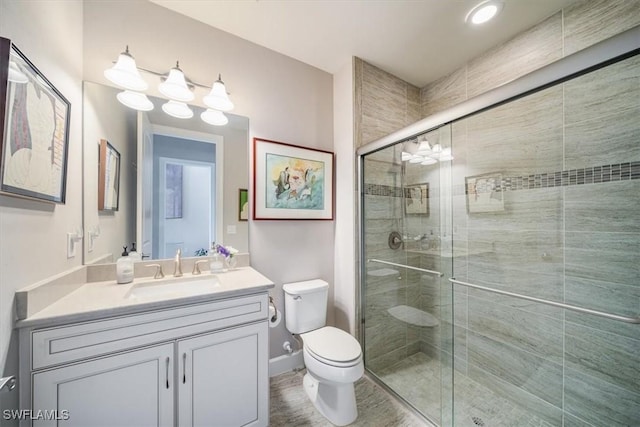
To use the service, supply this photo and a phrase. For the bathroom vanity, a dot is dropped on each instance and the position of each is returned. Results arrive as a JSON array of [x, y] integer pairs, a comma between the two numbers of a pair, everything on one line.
[[152, 353]]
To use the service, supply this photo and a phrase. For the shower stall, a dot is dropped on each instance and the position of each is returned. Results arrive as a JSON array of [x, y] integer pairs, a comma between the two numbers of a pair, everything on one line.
[[500, 250]]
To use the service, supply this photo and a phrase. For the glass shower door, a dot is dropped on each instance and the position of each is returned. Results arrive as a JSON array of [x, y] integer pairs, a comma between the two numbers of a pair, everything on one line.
[[549, 211], [406, 303]]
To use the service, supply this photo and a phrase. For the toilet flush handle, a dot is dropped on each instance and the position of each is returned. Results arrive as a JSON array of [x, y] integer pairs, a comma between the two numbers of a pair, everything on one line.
[[297, 297]]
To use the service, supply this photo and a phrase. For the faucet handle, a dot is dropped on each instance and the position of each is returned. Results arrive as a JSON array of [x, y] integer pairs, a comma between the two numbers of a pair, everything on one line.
[[159, 274], [196, 266]]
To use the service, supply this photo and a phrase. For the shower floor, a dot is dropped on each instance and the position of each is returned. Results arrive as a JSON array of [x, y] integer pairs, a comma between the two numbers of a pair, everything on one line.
[[418, 380]]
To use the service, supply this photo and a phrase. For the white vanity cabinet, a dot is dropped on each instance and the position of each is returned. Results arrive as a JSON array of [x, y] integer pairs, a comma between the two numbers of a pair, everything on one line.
[[127, 389], [224, 393], [194, 365]]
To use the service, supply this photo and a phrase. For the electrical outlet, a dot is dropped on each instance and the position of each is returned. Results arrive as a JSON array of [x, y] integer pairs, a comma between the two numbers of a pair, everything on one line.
[[71, 245]]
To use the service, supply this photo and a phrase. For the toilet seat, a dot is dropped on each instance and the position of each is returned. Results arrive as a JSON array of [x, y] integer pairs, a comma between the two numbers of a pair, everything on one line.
[[333, 347]]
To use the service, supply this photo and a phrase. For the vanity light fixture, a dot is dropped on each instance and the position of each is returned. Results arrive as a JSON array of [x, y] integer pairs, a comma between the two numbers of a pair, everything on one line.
[[425, 153], [174, 85], [218, 98], [214, 117], [125, 73], [135, 100], [428, 161], [424, 149], [484, 12], [177, 109]]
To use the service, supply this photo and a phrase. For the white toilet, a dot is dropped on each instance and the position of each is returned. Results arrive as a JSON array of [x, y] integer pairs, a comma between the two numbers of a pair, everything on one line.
[[333, 357]]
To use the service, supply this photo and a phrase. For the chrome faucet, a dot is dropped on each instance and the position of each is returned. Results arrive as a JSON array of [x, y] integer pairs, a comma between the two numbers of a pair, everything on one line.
[[177, 264]]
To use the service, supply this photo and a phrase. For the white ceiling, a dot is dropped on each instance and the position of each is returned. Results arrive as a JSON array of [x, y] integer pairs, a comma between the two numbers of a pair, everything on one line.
[[416, 40]]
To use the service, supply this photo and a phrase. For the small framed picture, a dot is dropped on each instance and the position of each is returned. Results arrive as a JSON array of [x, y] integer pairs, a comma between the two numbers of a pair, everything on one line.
[[416, 199], [108, 177], [243, 204], [484, 193]]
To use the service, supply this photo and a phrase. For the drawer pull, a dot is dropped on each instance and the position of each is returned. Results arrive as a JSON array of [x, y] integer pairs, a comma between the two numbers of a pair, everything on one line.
[[184, 368], [168, 372]]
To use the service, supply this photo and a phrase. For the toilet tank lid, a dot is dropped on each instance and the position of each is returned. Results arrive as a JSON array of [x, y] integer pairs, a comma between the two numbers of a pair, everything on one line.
[[306, 287]]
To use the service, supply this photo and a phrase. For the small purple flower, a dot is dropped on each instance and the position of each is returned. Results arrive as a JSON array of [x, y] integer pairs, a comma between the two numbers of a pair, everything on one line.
[[223, 251]]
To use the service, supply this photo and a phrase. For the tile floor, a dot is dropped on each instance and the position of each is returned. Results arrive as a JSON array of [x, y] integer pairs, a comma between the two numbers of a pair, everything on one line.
[[417, 379], [290, 405]]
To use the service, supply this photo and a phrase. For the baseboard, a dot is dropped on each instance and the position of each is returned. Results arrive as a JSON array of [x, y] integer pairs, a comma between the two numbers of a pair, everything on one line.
[[285, 363]]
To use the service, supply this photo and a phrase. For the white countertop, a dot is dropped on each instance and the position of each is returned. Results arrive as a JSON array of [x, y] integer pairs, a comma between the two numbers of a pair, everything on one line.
[[98, 300]]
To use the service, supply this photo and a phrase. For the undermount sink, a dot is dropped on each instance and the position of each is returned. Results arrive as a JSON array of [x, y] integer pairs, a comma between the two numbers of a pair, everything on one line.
[[177, 287]]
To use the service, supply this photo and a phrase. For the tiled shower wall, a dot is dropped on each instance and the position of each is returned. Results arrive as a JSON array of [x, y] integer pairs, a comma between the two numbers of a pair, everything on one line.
[[565, 163], [568, 232], [384, 103], [565, 166]]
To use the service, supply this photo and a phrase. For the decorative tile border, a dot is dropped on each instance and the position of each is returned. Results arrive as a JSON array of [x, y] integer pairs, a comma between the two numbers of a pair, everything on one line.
[[382, 190], [565, 178]]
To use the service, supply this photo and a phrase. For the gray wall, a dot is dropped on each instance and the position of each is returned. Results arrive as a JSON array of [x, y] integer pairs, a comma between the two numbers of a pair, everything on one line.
[[105, 118], [284, 99], [50, 35]]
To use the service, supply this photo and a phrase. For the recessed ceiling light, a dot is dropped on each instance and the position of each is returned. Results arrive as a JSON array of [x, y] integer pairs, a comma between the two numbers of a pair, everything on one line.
[[484, 12]]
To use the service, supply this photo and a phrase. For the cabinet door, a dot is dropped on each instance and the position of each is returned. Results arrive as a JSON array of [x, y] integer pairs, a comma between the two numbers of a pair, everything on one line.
[[223, 378], [127, 389]]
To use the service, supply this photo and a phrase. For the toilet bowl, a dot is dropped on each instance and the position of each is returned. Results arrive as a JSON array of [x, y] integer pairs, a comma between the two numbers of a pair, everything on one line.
[[333, 358], [334, 362]]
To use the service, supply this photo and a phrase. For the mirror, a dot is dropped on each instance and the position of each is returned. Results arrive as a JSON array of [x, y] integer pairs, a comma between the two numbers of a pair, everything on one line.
[[179, 182]]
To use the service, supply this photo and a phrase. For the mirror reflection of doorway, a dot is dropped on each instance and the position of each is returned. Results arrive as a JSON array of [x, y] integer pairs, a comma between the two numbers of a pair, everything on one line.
[[181, 176], [185, 198]]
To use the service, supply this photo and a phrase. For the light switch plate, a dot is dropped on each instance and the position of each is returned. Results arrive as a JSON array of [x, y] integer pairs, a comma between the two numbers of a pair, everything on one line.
[[71, 245], [231, 229]]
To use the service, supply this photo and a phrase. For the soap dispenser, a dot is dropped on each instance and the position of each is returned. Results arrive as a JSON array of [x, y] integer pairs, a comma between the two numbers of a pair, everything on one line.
[[124, 268], [133, 254]]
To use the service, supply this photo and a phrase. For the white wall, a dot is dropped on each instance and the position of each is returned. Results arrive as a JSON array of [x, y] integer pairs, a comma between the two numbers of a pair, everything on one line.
[[33, 234], [346, 198], [104, 118], [196, 211], [284, 99]]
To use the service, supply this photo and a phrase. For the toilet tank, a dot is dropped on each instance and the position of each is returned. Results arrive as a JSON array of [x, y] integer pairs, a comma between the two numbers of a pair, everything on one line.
[[305, 305]]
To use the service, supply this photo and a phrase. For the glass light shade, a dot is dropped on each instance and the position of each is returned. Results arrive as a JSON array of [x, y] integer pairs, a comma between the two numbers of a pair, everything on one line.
[[406, 156], [175, 86], [428, 161], [214, 117], [416, 159], [446, 156], [177, 109], [218, 98], [424, 149], [125, 73], [135, 100], [15, 75]]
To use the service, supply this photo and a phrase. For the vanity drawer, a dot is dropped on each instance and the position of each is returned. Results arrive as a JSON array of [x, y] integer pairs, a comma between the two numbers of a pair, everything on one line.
[[64, 344]]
